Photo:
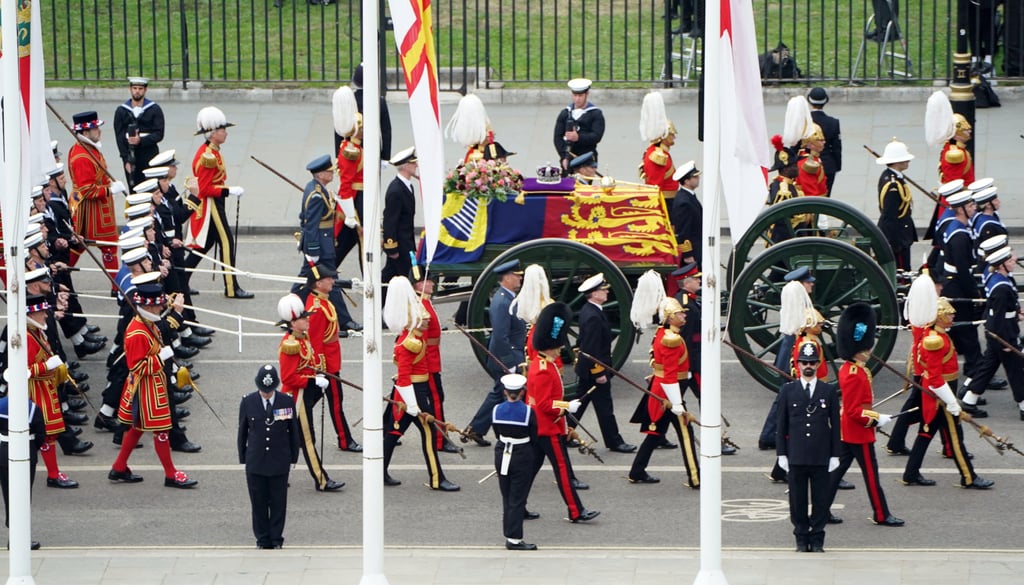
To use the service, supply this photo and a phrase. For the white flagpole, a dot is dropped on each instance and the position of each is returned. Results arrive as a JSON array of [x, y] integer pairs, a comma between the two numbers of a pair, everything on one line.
[[711, 366], [373, 412], [14, 218]]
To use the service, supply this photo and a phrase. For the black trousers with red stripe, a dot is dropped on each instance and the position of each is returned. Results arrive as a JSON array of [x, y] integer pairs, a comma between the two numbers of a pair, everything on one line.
[[553, 447], [335, 396], [864, 453]]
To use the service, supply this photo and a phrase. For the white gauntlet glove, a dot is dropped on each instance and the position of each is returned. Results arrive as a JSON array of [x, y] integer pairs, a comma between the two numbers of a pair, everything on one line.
[[784, 463], [321, 382], [53, 362], [678, 410], [236, 191], [117, 187], [945, 394], [408, 395], [883, 419], [574, 405], [166, 352], [833, 464]]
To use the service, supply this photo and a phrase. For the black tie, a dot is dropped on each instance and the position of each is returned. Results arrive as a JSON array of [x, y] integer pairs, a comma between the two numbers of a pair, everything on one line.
[[807, 388], [270, 411]]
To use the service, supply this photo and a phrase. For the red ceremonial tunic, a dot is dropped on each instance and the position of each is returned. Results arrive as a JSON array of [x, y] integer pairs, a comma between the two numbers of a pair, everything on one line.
[[42, 383], [963, 170], [144, 403], [211, 177], [937, 357], [544, 386], [812, 180], [855, 388], [296, 359], [657, 169], [92, 205], [410, 357], [323, 330], [350, 177], [671, 363], [433, 338]]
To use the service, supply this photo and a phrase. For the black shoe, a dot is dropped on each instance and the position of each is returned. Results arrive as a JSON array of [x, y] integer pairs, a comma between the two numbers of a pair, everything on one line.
[[78, 448], [203, 331], [126, 476], [76, 418], [482, 442], [75, 431], [979, 483], [765, 446], [974, 411], [95, 338], [182, 412], [1021, 414], [240, 293], [728, 449], [897, 450], [666, 444], [343, 334], [645, 478], [353, 447], [919, 480], [61, 481], [185, 352], [968, 455], [106, 423], [35, 545], [450, 447], [77, 404], [390, 481], [802, 547], [352, 325], [578, 485], [833, 519], [180, 397], [79, 377], [982, 401], [187, 447], [180, 480], [890, 520], [586, 516], [196, 340], [520, 546], [191, 291], [331, 486], [997, 383], [845, 485], [92, 329], [87, 348], [446, 486], [83, 387], [817, 548], [572, 443], [624, 448], [528, 515]]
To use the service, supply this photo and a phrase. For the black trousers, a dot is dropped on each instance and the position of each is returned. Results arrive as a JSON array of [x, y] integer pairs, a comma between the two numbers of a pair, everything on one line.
[[335, 397], [394, 428], [481, 422], [864, 454], [348, 238], [515, 487], [947, 423], [553, 448], [996, 355], [268, 495], [219, 234], [686, 444], [809, 529], [601, 397], [308, 397], [902, 424]]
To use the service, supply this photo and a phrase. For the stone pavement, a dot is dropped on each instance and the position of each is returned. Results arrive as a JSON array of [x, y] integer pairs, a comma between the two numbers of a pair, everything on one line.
[[593, 566]]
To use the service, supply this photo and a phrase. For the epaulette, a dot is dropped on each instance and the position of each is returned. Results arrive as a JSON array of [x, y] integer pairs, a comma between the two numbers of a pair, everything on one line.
[[412, 343], [289, 346], [853, 368], [208, 159], [658, 156], [932, 341], [686, 246], [390, 244], [671, 339], [955, 155], [811, 166], [350, 152]]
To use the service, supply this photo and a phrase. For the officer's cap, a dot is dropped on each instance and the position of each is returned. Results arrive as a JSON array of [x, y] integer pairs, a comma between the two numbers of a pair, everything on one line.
[[686, 271], [596, 282], [320, 163], [803, 274], [405, 156], [685, 171], [584, 160], [506, 267]]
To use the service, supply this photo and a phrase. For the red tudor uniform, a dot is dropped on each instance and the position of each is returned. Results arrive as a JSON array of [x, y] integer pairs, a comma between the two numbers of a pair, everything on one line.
[[323, 335], [42, 384], [297, 359], [92, 203], [955, 162], [144, 403], [811, 175], [657, 169]]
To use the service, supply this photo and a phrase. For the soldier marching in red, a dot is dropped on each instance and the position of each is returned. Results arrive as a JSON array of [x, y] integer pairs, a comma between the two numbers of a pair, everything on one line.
[[348, 123]]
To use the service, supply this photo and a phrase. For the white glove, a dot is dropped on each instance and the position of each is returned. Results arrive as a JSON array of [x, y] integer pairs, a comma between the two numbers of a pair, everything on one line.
[[166, 352], [356, 283], [384, 165], [677, 409], [321, 382], [236, 191], [833, 464], [883, 419], [348, 207], [117, 187], [351, 222], [945, 394], [53, 362], [574, 405], [312, 259], [673, 394], [408, 395], [823, 222], [784, 463], [511, 371]]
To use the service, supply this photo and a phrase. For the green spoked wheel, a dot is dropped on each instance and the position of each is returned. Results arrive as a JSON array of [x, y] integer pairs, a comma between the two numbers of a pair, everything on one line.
[[844, 275], [845, 223], [567, 265]]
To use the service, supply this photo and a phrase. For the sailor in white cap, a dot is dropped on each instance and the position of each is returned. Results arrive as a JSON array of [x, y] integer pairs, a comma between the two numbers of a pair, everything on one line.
[[399, 211], [896, 202], [138, 129], [958, 282], [580, 125]]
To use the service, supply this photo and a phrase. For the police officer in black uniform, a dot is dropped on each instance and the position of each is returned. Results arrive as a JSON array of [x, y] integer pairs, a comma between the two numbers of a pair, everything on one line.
[[515, 427], [268, 445]]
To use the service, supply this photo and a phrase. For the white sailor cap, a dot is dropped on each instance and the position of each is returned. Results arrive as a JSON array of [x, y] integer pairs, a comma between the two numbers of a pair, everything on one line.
[[954, 186], [146, 278], [131, 243], [985, 195], [147, 186], [959, 199], [134, 256], [989, 245], [594, 283], [980, 184], [140, 222], [157, 172], [138, 210], [579, 85], [165, 158], [999, 256], [138, 81], [138, 199]]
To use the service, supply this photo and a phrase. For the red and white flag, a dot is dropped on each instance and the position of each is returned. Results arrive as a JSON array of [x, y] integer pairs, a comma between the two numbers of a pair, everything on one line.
[[744, 137], [414, 34]]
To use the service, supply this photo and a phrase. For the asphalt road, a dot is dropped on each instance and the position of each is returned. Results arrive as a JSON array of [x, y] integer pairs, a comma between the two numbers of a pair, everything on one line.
[[648, 516]]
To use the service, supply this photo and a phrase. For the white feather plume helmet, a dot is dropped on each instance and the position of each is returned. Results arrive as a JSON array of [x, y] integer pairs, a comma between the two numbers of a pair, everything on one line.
[[345, 111], [289, 308], [469, 124], [938, 120], [796, 310], [646, 299], [211, 118], [922, 304], [798, 124], [533, 296], [654, 122], [402, 307]]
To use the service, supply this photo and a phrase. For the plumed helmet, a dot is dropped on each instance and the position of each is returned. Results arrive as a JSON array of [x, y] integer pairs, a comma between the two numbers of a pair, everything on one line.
[[922, 301], [402, 307], [345, 111], [648, 296], [783, 156], [816, 133], [551, 331], [796, 310], [856, 330], [209, 119], [944, 307], [938, 120], [654, 122], [469, 124], [960, 124], [668, 307], [799, 123], [290, 308], [534, 294]]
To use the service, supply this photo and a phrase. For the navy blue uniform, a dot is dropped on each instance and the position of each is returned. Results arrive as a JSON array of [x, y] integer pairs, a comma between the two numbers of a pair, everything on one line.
[[514, 456], [508, 344]]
